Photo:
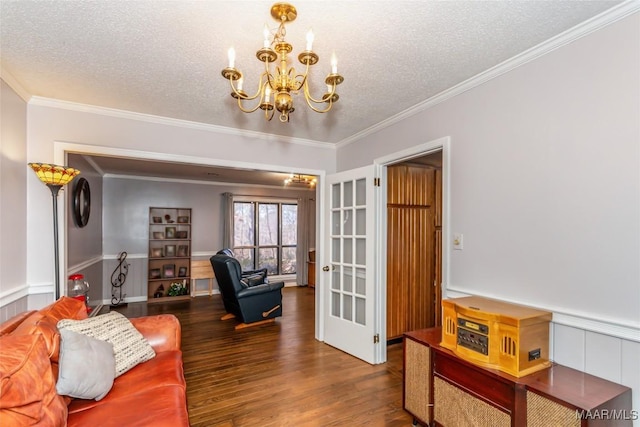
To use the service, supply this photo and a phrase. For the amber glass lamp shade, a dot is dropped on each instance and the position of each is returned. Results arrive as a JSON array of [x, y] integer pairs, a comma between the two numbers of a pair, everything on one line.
[[54, 174]]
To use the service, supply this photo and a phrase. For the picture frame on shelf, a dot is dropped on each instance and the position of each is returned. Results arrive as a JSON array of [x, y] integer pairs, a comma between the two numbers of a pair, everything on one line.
[[154, 273], [183, 220], [169, 271], [170, 232], [157, 220], [169, 250], [183, 250], [182, 234], [156, 253], [159, 235], [182, 272]]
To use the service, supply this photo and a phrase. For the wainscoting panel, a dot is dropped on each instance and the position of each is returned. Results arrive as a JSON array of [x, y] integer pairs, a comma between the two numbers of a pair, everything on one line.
[[13, 308], [135, 286], [602, 350], [568, 346], [615, 359]]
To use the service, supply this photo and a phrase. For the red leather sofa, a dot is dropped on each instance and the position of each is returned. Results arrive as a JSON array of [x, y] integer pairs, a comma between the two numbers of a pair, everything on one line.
[[153, 393]]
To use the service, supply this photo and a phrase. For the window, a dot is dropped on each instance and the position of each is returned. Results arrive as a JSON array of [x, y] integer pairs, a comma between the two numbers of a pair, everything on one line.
[[265, 235]]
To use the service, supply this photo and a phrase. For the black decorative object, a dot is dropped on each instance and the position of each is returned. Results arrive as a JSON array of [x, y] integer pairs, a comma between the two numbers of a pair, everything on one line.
[[81, 202], [117, 280], [159, 292]]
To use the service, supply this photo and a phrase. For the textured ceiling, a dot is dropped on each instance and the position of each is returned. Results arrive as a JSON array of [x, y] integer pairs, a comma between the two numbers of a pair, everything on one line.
[[164, 58]]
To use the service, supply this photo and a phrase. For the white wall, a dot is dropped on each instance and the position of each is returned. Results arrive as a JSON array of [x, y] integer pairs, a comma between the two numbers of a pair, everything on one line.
[[545, 186], [13, 202], [54, 124], [545, 177]]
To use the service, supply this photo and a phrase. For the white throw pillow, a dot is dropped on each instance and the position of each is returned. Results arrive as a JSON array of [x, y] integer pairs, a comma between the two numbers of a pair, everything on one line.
[[87, 366], [129, 346]]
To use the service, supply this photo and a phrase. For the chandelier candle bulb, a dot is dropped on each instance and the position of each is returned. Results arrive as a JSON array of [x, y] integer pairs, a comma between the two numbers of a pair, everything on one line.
[[240, 81], [334, 63], [309, 39], [266, 33], [232, 57]]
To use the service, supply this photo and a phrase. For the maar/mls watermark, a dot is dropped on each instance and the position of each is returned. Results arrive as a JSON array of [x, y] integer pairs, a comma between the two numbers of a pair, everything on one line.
[[607, 414]]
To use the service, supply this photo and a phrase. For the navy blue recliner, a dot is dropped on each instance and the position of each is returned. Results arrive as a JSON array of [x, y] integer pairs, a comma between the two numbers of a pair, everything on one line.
[[250, 299]]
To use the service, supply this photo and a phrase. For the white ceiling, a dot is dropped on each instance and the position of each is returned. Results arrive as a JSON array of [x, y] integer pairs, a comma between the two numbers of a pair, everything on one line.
[[164, 58]]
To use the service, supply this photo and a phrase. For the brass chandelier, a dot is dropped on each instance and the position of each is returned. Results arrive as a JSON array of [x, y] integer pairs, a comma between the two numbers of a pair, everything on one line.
[[296, 178], [283, 81]]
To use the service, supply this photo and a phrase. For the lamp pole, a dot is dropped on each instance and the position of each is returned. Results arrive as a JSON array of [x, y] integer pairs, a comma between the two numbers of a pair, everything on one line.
[[56, 252]]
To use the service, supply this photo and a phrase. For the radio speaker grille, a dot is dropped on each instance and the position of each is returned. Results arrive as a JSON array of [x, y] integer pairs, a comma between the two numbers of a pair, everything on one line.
[[508, 345], [543, 412], [416, 377], [450, 326], [455, 408]]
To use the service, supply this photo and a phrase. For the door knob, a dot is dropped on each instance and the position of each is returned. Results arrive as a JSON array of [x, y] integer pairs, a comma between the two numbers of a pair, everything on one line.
[[325, 268]]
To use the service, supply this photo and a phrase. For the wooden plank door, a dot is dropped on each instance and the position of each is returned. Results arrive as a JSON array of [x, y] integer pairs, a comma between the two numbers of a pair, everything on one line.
[[413, 249]]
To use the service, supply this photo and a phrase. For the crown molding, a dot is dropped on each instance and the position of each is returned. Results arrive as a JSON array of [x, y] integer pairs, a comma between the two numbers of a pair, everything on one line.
[[201, 182], [168, 121], [608, 17], [8, 78]]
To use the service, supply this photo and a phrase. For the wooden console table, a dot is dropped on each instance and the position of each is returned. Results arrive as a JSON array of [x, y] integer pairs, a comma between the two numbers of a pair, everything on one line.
[[311, 274], [441, 389]]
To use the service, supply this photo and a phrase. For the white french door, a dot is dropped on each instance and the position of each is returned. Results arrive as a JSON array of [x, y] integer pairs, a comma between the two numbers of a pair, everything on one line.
[[348, 273]]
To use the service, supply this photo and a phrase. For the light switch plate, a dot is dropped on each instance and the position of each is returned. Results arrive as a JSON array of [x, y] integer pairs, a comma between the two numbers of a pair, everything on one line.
[[458, 243]]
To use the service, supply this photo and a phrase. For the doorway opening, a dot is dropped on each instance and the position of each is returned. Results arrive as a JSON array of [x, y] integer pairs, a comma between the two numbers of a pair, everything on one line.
[[437, 154], [414, 244]]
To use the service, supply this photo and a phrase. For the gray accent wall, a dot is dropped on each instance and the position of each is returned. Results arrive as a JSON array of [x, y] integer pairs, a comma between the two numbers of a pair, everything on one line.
[[126, 206], [84, 244]]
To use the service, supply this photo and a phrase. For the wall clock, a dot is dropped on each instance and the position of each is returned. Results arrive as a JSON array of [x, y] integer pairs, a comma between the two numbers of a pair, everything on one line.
[[81, 202]]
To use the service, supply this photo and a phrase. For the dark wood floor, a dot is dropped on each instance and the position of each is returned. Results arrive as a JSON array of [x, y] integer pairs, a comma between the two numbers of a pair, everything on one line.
[[278, 375]]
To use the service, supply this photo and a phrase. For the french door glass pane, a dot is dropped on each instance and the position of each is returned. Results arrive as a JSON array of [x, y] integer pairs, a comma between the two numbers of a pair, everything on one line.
[[268, 258], [289, 224], [335, 277], [360, 281], [348, 222], [243, 231], [335, 222], [347, 307], [288, 261], [335, 250], [361, 251], [348, 194], [335, 304], [268, 224], [360, 311], [335, 195], [361, 222], [347, 280], [361, 192], [348, 251]]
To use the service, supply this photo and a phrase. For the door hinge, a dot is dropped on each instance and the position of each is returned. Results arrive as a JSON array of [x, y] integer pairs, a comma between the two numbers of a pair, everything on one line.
[[376, 182], [376, 338]]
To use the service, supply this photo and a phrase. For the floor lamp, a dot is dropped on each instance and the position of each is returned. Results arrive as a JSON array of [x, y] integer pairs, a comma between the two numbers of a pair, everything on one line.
[[55, 177]]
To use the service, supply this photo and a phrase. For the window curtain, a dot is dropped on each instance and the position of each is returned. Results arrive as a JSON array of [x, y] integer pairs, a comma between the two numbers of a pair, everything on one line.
[[227, 218], [306, 217]]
